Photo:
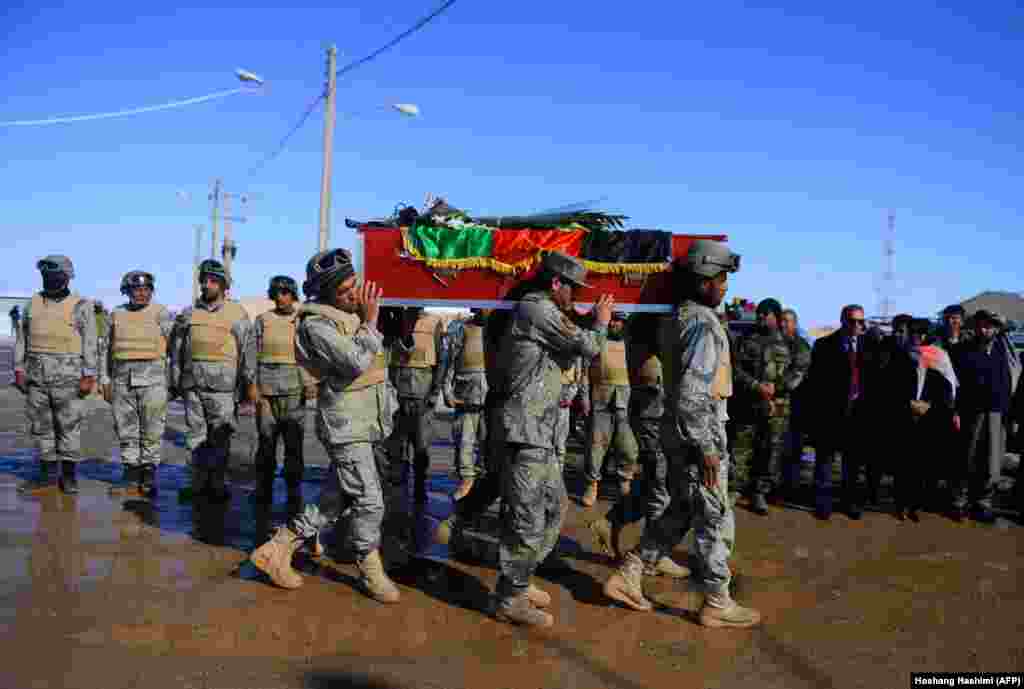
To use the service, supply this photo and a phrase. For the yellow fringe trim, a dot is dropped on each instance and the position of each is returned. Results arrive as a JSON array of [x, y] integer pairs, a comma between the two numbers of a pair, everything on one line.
[[626, 268]]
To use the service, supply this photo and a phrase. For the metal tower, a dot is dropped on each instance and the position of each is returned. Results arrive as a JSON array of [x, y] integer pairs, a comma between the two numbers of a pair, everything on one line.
[[888, 271]]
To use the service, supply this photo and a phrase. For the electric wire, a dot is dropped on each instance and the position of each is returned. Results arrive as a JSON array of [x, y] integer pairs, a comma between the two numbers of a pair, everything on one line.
[[397, 39], [284, 141]]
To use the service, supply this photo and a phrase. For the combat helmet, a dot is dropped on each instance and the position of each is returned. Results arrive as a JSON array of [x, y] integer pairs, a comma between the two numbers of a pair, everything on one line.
[[214, 268], [56, 263], [137, 278], [708, 258], [325, 270], [282, 283]]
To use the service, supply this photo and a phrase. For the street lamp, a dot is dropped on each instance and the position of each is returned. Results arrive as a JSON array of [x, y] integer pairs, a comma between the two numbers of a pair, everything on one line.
[[247, 77]]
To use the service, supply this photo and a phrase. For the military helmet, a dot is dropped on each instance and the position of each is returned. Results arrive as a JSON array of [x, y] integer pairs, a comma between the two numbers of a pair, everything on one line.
[[708, 258], [282, 283], [136, 278], [326, 269], [769, 305], [214, 268], [56, 263]]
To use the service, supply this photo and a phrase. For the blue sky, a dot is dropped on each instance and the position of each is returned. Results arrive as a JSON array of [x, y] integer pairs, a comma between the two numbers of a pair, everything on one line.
[[790, 130]]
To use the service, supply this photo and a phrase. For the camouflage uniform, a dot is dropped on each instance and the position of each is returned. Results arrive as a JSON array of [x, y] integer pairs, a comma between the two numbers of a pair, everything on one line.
[[211, 390], [281, 412], [763, 357], [354, 412], [54, 405], [541, 343], [609, 421], [800, 363], [695, 364], [465, 379], [139, 391], [415, 376]]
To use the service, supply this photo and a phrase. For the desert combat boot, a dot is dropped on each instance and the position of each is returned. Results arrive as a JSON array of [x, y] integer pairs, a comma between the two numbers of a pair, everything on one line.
[[375, 581], [626, 584], [274, 558], [720, 610]]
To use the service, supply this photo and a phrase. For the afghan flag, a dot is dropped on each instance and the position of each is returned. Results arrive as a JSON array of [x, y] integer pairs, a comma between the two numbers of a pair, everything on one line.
[[512, 251]]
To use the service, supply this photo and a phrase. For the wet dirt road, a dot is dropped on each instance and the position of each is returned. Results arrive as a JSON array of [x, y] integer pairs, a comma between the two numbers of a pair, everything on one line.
[[109, 592]]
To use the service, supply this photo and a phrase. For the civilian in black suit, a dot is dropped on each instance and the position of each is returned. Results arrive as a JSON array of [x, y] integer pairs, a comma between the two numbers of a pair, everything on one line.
[[844, 367], [922, 414]]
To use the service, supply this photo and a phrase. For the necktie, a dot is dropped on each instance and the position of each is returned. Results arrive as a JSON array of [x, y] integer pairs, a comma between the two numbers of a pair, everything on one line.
[[854, 371]]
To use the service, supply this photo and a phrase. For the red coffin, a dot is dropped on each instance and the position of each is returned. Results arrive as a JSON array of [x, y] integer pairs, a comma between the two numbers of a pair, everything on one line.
[[408, 282]]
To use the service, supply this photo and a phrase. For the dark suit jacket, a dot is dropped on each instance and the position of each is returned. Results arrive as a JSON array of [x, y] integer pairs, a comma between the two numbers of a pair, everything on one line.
[[901, 380], [829, 380]]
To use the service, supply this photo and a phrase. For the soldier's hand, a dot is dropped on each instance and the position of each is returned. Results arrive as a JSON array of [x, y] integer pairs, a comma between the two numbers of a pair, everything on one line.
[[603, 310], [709, 471], [21, 382], [766, 390], [86, 384], [108, 394], [369, 302]]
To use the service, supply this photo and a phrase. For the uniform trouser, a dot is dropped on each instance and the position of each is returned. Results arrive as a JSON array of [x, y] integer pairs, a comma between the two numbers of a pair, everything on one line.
[[281, 416], [413, 426], [768, 442], [55, 420], [140, 415], [708, 512], [210, 419], [486, 491], [353, 487], [608, 427], [984, 435], [652, 499], [533, 495], [469, 431], [845, 436]]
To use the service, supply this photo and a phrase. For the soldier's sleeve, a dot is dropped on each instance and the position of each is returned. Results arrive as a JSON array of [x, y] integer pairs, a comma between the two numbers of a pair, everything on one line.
[[451, 350], [85, 323], [21, 340], [246, 338], [800, 362], [438, 373], [584, 377], [106, 365], [558, 332], [740, 375], [697, 357], [348, 356]]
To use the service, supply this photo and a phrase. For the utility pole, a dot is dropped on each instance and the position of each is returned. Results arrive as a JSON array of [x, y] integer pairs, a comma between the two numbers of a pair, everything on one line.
[[228, 250], [195, 263], [325, 179], [215, 198]]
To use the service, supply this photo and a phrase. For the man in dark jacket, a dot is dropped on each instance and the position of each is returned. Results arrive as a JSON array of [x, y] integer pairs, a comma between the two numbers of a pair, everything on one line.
[[983, 407], [844, 368]]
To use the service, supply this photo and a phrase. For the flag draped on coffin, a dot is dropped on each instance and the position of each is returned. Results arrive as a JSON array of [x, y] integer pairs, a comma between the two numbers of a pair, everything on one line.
[[514, 251]]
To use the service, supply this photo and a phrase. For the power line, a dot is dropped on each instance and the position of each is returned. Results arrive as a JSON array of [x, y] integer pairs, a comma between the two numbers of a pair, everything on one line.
[[284, 142], [397, 39], [123, 113]]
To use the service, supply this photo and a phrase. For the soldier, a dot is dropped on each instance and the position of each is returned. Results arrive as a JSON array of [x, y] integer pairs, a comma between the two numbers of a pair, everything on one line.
[[646, 407], [541, 342], [464, 376], [414, 373], [338, 341], [575, 383], [609, 421], [283, 390], [698, 381], [800, 358], [213, 353], [765, 379], [134, 381], [55, 365]]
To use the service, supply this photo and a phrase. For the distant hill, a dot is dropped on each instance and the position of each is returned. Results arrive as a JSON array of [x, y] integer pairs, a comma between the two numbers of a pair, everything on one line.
[[1009, 305]]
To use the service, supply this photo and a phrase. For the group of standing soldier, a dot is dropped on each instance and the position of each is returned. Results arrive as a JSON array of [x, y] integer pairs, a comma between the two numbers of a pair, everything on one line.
[[658, 396]]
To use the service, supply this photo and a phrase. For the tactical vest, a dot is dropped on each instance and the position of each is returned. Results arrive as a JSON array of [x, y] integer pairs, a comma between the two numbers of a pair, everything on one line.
[[472, 359], [424, 353], [52, 327], [721, 386], [211, 333], [644, 365], [278, 346], [571, 375], [137, 335], [668, 334], [610, 367], [346, 324]]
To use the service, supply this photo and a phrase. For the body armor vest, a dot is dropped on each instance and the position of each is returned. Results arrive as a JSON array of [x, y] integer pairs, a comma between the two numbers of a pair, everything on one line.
[[278, 346], [52, 327], [346, 324], [424, 353], [137, 335], [211, 333], [610, 367], [472, 359]]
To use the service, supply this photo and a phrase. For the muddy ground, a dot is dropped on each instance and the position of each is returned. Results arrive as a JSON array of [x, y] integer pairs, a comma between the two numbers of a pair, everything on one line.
[[109, 592]]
